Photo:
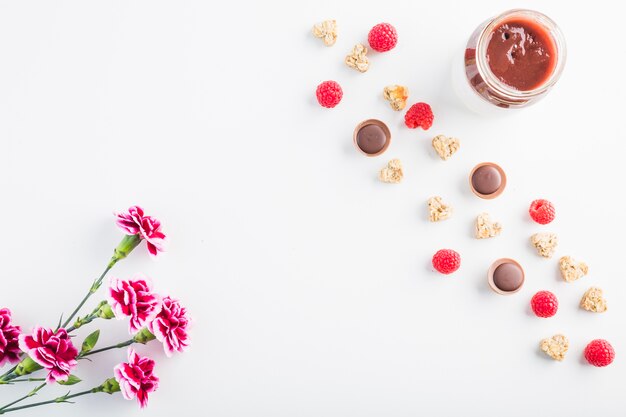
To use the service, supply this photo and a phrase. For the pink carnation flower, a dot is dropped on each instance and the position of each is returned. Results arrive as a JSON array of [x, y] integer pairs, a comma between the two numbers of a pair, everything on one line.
[[9, 347], [54, 351], [134, 298], [170, 326], [136, 377], [134, 222]]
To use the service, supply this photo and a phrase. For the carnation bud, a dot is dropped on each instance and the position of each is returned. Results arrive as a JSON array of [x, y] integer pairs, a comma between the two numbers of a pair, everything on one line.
[[144, 336], [105, 311], [109, 386], [90, 342], [71, 380], [27, 366], [125, 247]]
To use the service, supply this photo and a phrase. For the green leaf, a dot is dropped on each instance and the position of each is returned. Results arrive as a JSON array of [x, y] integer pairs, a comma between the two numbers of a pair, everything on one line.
[[71, 380], [90, 342]]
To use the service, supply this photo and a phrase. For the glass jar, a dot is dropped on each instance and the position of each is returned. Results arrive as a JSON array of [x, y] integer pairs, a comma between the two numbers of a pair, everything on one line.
[[480, 81]]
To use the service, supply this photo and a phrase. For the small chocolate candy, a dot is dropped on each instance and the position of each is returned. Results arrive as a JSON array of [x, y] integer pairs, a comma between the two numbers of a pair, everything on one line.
[[506, 276], [487, 180], [372, 137]]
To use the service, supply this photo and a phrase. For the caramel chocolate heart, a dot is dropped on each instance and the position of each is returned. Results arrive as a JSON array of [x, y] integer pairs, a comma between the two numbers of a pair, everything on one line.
[[445, 146], [572, 270], [438, 210], [593, 300], [485, 227], [555, 346], [392, 172]]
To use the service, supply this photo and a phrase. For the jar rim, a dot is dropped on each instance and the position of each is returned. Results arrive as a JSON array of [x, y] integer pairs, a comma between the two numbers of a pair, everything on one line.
[[493, 81]]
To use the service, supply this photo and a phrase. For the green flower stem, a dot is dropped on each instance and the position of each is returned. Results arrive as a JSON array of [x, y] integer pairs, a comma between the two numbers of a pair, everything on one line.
[[81, 322], [6, 374], [126, 246], [104, 349], [109, 386], [27, 380], [103, 310], [144, 336], [28, 366], [25, 367], [92, 290], [30, 394]]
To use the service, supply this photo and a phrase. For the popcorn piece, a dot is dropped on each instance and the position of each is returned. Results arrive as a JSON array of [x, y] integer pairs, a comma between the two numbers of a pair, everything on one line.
[[357, 59], [486, 228], [445, 146], [327, 31], [572, 270], [556, 346], [392, 173], [545, 243], [593, 300], [396, 95], [438, 210]]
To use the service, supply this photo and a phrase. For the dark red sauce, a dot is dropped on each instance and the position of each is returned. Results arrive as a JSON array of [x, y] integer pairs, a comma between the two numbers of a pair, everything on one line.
[[521, 54]]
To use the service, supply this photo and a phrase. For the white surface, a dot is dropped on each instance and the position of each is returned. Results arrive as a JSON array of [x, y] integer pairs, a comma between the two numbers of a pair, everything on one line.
[[309, 280]]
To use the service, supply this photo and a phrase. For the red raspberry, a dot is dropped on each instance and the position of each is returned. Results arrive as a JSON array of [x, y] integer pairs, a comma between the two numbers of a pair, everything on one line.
[[544, 304], [599, 352], [446, 261], [419, 115], [329, 94], [542, 211], [383, 37]]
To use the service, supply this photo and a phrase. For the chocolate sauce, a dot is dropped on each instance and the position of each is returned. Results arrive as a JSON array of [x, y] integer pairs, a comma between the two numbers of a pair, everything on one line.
[[512, 60], [521, 54]]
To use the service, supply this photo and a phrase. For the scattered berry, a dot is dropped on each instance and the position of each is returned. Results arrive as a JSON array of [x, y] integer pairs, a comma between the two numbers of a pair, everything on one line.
[[419, 115], [446, 261], [599, 352], [329, 94], [544, 304], [542, 211], [383, 37]]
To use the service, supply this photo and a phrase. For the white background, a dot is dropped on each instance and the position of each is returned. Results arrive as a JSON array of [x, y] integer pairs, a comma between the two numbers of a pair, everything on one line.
[[309, 281]]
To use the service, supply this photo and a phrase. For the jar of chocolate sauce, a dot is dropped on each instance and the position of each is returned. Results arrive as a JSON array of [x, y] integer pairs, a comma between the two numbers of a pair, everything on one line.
[[511, 61]]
